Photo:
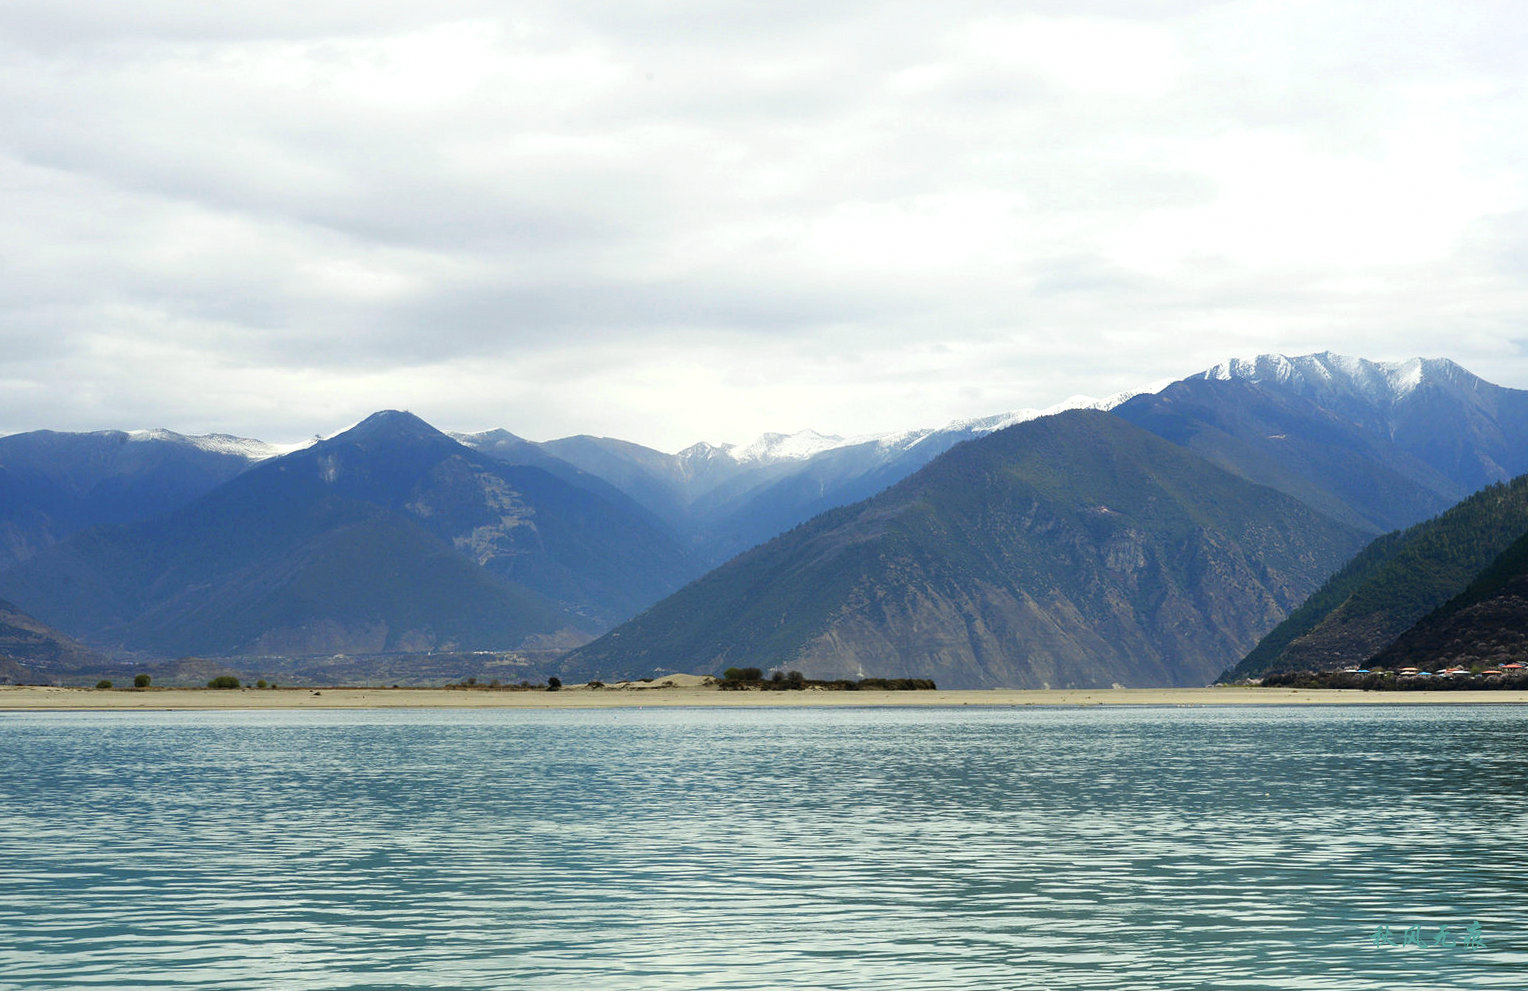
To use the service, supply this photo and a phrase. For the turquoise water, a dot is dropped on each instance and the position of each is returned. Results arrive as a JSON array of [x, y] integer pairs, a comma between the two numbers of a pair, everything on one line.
[[1226, 848]]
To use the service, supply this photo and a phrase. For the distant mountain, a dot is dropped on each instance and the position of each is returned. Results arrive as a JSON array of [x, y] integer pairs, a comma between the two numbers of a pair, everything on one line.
[[501, 445], [1070, 551], [30, 650], [1376, 445], [659, 482], [723, 499], [1391, 584], [55, 484], [1486, 624], [388, 537]]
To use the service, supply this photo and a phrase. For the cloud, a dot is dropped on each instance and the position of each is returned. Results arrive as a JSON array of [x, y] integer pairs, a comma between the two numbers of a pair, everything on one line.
[[684, 220]]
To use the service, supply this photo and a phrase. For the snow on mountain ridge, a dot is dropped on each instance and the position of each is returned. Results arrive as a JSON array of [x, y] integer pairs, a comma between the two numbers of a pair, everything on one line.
[[247, 447], [1374, 381], [798, 446], [978, 426], [771, 448]]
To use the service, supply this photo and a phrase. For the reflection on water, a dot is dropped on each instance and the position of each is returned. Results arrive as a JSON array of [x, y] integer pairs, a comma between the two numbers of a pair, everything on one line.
[[771, 849]]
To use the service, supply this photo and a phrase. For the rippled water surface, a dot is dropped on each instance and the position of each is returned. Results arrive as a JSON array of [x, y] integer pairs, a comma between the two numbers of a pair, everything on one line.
[[1227, 848]]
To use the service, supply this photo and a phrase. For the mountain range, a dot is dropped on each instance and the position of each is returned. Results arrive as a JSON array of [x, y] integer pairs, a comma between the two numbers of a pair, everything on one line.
[[1364, 446], [1374, 445], [388, 537], [1074, 550], [1006, 550], [719, 500]]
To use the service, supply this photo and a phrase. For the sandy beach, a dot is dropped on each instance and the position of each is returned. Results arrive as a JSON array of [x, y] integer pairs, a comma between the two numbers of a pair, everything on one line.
[[49, 698]]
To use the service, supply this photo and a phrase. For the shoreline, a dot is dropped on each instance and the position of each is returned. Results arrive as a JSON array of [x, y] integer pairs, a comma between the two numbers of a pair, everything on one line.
[[44, 699]]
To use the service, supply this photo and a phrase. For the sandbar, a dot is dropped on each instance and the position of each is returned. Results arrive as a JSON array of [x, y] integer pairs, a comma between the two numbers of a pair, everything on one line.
[[159, 699]]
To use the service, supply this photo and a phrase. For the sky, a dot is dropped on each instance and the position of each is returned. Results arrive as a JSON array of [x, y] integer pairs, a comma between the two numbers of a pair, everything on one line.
[[680, 221]]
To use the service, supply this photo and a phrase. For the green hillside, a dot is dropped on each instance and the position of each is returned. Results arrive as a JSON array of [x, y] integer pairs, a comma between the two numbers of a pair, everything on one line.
[[1393, 583], [1486, 624]]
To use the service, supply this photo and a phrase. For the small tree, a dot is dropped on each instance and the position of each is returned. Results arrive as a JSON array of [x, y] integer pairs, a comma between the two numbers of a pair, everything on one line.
[[103, 683], [260, 683], [553, 683], [224, 681], [141, 681]]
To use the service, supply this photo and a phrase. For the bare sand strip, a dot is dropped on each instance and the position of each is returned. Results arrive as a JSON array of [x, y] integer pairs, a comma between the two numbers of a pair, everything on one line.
[[36, 698]]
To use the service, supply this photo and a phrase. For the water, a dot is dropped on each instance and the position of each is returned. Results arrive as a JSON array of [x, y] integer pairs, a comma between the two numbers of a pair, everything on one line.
[[1234, 848]]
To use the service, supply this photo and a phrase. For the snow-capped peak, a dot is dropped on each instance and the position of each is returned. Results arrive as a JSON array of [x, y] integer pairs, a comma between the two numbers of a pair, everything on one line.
[[799, 446], [702, 451], [1374, 381]]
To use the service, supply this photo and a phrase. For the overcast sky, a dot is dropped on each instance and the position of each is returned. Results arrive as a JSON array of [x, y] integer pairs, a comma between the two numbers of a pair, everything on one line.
[[675, 221]]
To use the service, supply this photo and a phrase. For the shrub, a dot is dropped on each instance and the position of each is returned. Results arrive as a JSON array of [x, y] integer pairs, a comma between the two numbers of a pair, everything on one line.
[[103, 683], [897, 684], [553, 683], [260, 683], [141, 681], [596, 684], [224, 681]]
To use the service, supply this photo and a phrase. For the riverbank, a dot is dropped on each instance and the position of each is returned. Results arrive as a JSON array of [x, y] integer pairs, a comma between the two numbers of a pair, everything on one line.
[[50, 698]]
